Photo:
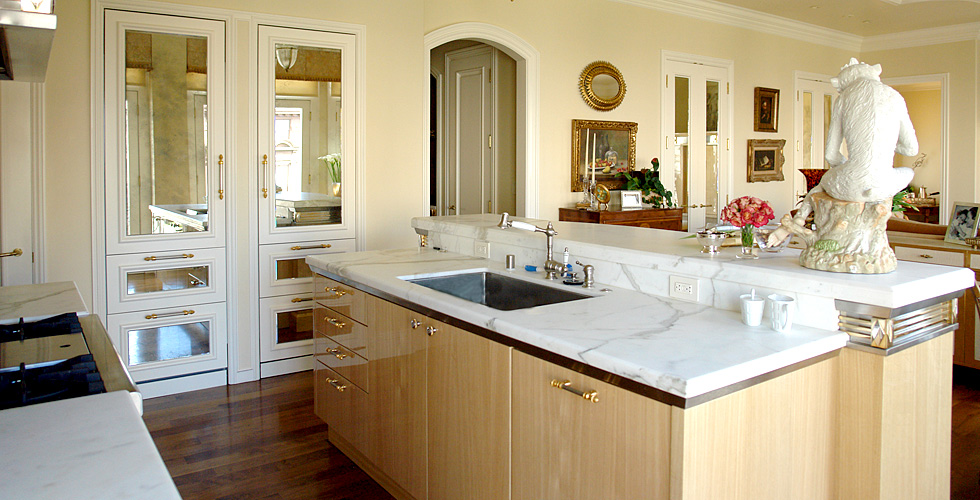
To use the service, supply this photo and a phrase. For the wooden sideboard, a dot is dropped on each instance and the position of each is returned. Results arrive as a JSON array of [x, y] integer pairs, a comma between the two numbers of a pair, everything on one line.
[[933, 250], [657, 218]]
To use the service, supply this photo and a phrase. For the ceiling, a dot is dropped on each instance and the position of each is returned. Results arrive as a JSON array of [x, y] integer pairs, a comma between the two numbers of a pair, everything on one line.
[[870, 17]]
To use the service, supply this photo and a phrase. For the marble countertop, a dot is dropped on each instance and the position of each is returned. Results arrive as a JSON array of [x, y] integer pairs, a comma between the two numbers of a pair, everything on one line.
[[95, 447], [35, 302], [683, 348]]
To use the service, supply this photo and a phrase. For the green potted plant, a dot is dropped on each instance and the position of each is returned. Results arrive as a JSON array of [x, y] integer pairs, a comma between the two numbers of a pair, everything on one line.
[[648, 181]]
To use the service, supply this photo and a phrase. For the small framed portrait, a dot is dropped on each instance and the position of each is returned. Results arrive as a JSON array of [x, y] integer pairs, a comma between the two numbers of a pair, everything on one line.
[[765, 160], [962, 222], [631, 200], [766, 109]]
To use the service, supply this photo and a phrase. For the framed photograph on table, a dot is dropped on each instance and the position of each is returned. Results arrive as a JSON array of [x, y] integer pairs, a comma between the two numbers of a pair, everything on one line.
[[766, 109], [962, 222], [765, 160], [631, 200], [612, 143]]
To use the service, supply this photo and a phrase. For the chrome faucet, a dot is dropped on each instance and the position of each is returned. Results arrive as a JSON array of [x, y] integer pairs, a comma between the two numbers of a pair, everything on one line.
[[553, 269]]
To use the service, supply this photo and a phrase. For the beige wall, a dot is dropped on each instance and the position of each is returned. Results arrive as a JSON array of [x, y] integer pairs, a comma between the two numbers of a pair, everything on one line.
[[926, 114]]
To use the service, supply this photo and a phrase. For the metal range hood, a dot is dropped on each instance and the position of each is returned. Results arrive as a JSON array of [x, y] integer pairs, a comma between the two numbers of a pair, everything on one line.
[[25, 41]]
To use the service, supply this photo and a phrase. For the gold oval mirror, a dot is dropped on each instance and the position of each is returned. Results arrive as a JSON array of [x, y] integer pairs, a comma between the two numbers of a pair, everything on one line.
[[602, 86]]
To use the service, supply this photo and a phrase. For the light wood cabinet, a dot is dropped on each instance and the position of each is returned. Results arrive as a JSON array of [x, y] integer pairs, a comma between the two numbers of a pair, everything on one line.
[[567, 447]]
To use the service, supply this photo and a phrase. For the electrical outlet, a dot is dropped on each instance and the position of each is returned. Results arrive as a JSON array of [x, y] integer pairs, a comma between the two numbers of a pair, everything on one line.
[[684, 288], [482, 249]]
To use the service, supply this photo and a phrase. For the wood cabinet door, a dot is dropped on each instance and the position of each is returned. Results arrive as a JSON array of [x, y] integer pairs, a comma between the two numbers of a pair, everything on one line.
[[468, 382], [396, 415], [565, 447]]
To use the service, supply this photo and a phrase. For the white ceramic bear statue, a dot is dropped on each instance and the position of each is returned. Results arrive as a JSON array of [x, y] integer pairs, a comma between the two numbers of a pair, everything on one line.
[[873, 119]]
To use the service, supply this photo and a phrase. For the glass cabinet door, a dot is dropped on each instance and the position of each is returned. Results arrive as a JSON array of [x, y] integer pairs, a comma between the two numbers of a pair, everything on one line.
[[164, 124], [306, 130]]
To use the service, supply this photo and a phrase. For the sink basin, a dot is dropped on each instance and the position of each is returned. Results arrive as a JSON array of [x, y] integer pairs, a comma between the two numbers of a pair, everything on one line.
[[497, 290]]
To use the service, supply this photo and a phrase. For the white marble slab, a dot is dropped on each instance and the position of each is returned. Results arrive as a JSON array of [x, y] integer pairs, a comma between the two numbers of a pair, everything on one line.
[[34, 302], [93, 447], [683, 348]]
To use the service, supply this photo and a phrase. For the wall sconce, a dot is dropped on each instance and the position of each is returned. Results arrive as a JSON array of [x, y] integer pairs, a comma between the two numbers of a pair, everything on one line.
[[286, 56]]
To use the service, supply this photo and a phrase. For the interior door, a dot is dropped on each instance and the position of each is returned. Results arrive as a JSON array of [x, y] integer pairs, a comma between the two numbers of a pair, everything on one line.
[[16, 187], [696, 136], [469, 166], [814, 100]]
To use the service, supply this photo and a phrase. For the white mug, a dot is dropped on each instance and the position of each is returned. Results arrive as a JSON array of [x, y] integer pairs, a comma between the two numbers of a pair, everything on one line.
[[752, 307], [781, 309]]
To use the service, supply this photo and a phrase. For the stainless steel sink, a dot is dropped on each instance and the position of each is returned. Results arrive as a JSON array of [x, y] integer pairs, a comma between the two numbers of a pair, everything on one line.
[[497, 290]]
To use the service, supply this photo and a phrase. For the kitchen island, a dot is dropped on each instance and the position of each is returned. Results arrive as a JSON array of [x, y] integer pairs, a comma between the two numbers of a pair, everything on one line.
[[674, 399]]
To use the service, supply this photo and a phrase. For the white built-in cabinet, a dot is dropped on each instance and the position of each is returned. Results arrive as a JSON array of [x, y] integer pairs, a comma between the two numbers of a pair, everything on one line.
[[306, 180], [164, 198]]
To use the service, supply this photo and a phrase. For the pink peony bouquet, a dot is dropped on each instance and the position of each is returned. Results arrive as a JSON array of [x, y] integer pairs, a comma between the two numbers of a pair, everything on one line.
[[747, 210]]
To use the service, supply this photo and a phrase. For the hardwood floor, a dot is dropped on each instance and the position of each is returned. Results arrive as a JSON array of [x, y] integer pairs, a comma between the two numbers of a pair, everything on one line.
[[261, 440], [256, 440]]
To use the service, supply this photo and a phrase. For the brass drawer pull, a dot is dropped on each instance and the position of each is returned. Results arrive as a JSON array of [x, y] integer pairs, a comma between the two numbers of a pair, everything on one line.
[[567, 385], [416, 324], [336, 290], [310, 247], [185, 312], [337, 353], [431, 330], [169, 257], [265, 165], [300, 299], [340, 386], [925, 256], [336, 322]]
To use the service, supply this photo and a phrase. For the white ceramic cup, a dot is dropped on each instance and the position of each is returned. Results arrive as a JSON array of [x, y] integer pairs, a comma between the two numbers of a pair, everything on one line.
[[781, 309], [752, 308]]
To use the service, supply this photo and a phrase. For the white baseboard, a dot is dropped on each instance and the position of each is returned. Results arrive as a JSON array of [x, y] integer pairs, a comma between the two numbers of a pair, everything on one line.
[[284, 366], [176, 385]]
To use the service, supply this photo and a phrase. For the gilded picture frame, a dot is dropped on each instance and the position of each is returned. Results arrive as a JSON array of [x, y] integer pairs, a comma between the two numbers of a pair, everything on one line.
[[766, 110], [602, 86], [765, 162], [615, 141]]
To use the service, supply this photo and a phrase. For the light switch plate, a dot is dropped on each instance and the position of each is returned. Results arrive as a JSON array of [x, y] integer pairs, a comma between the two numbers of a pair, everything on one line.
[[482, 249]]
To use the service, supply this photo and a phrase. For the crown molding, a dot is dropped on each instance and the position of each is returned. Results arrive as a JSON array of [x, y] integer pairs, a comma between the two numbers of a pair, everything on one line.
[[741, 17], [918, 38]]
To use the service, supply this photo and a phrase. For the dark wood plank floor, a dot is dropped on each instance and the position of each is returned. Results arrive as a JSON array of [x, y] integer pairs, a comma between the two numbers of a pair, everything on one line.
[[258, 440], [261, 440]]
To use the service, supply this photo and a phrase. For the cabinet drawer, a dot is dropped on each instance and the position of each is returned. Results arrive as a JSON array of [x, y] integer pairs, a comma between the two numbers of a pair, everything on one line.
[[929, 256], [346, 300], [341, 360], [283, 269], [340, 404], [341, 329], [137, 282]]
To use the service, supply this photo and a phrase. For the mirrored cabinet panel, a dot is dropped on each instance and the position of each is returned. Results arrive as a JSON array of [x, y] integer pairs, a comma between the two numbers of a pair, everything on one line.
[[287, 344], [164, 125], [283, 269], [153, 280]]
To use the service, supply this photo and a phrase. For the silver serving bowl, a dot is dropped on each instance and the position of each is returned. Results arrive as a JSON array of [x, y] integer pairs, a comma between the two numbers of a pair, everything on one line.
[[711, 241]]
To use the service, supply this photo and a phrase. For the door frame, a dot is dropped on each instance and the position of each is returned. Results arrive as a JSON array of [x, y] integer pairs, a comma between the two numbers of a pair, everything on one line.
[[799, 182], [450, 183], [528, 106]]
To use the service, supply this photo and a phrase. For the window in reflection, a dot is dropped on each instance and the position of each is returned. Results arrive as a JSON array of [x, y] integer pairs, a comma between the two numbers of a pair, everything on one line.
[[149, 345], [308, 159], [166, 133]]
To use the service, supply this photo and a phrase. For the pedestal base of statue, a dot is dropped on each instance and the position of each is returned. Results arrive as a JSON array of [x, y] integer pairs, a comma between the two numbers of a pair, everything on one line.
[[849, 236]]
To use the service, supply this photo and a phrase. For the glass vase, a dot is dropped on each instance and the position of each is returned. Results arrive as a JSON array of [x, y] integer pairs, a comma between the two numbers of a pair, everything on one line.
[[748, 240]]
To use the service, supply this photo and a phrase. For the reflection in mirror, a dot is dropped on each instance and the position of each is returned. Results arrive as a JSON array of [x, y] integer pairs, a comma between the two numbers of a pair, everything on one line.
[[166, 133], [307, 158], [605, 87]]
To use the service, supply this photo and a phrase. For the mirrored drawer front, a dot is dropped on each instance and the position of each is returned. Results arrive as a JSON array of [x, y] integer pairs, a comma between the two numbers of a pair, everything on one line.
[[929, 256], [346, 300], [283, 269], [341, 329], [342, 360], [170, 342], [286, 327], [975, 261], [148, 281]]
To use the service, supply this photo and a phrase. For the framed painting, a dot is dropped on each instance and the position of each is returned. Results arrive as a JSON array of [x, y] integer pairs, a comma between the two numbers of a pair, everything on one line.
[[611, 146], [766, 109], [765, 160], [962, 222]]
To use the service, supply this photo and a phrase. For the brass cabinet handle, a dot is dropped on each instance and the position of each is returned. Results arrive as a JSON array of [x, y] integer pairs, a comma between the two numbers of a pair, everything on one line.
[[265, 165], [185, 312], [336, 322], [169, 257], [301, 299], [431, 330], [925, 256], [337, 384], [15, 253], [337, 353], [221, 163], [338, 291], [567, 385], [415, 324], [308, 247]]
